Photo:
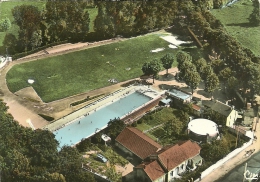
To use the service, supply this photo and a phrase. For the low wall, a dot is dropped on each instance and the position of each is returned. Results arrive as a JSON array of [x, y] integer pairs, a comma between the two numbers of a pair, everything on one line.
[[222, 161]]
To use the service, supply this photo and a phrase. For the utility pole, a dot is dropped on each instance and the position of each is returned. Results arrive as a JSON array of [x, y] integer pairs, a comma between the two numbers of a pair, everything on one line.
[[244, 172], [237, 135], [257, 119]]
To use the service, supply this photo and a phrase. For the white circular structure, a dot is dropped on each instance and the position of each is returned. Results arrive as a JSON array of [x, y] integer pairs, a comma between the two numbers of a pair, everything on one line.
[[203, 130]]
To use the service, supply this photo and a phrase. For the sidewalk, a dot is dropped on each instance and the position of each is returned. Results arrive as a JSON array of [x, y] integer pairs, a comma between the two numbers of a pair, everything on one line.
[[232, 163]]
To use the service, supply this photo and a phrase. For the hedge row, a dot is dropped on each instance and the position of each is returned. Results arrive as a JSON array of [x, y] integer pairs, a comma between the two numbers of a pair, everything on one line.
[[48, 118], [23, 54], [85, 100]]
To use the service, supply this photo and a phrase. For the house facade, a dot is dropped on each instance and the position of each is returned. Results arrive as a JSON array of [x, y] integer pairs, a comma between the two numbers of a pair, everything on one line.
[[169, 163], [228, 112]]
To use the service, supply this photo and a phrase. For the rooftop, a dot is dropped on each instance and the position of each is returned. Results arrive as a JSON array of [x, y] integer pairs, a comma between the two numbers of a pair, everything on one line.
[[218, 107], [209, 127], [152, 169], [179, 94], [137, 142], [174, 155]]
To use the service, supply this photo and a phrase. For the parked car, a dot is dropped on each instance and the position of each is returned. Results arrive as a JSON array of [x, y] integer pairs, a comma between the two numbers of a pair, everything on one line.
[[101, 158]]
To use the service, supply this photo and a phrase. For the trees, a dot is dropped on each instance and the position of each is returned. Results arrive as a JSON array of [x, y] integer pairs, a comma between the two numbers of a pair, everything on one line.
[[70, 163], [103, 24], [36, 39], [192, 79], [145, 17], [225, 74], [5, 24], [31, 155], [167, 61], [114, 127], [10, 42], [182, 56], [123, 15], [66, 20], [151, 68], [216, 150], [184, 63], [206, 72], [200, 64], [232, 83], [211, 83], [254, 17], [28, 18]]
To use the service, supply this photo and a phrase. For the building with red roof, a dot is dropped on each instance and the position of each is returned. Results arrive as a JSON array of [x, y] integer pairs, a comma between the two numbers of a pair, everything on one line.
[[169, 162], [134, 142]]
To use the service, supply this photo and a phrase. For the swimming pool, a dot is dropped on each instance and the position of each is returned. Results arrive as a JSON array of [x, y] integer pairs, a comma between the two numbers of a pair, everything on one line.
[[89, 124]]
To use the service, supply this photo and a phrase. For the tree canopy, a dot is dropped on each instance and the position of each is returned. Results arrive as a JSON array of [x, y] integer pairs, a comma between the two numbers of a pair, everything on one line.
[[167, 61], [5, 24], [32, 155], [151, 68]]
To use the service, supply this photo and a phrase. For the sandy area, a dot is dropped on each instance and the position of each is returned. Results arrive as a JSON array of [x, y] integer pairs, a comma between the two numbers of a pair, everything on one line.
[[124, 170], [173, 40], [29, 93]]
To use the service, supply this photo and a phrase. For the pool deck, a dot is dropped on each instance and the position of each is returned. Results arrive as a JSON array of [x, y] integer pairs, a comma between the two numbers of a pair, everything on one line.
[[75, 116]]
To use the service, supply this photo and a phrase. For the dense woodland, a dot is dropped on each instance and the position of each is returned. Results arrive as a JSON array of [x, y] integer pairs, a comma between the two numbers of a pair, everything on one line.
[[32, 155]]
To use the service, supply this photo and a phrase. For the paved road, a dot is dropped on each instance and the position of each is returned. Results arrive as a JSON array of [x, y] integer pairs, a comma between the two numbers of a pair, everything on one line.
[[236, 175]]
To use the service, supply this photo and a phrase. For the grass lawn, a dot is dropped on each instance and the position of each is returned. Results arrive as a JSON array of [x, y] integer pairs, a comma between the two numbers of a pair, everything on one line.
[[235, 19], [7, 6], [66, 75], [92, 15], [155, 119]]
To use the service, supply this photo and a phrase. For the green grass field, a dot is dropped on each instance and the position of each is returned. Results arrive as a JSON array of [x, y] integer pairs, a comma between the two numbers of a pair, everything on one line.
[[66, 75], [7, 6], [235, 19]]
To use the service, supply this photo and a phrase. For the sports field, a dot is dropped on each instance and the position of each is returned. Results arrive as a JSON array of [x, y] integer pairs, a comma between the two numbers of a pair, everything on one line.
[[235, 19], [69, 74]]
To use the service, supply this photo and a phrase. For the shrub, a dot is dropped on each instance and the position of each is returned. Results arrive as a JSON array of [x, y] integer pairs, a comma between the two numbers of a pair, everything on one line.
[[48, 118], [5, 24], [134, 124], [139, 121], [85, 100]]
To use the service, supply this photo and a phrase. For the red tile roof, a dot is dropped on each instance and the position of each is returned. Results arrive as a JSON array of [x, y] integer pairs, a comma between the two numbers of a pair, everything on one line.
[[137, 142], [196, 107], [173, 156], [152, 169]]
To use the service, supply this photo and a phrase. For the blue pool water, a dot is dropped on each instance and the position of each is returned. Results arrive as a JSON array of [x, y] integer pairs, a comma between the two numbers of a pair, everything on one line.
[[74, 132]]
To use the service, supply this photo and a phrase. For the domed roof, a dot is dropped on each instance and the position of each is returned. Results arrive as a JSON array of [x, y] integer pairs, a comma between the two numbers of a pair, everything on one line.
[[203, 126]]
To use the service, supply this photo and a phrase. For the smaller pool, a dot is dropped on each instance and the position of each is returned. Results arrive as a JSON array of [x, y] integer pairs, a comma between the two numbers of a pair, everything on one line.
[[179, 94], [90, 124]]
